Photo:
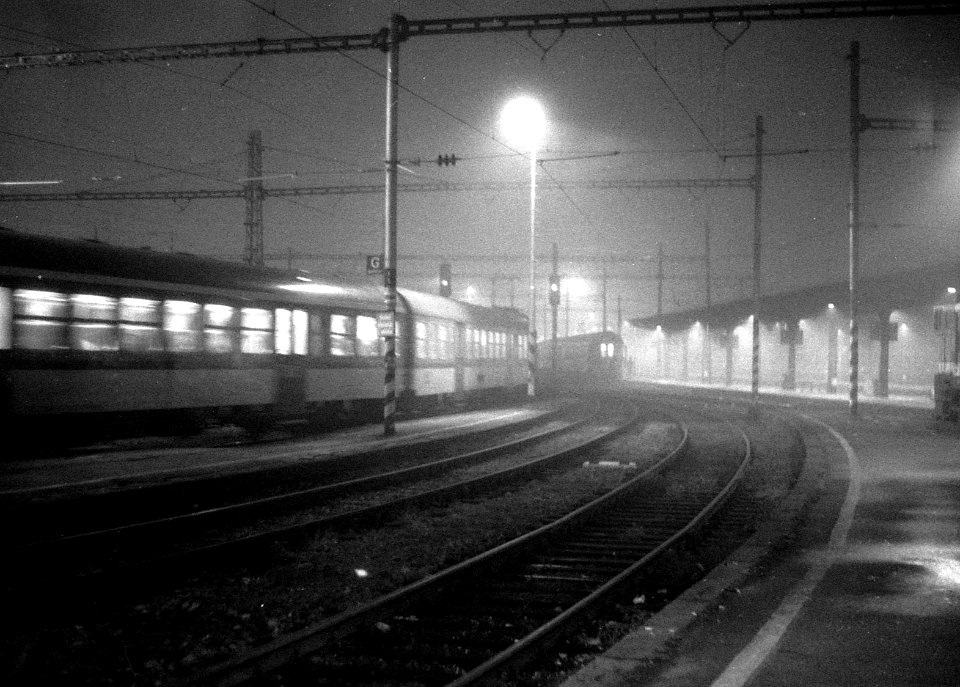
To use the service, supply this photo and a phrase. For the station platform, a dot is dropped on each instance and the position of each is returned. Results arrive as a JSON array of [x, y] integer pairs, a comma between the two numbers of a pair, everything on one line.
[[866, 592], [125, 466]]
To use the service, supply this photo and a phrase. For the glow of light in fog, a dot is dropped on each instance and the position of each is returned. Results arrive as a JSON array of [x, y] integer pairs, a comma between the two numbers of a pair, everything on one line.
[[524, 123], [575, 286]]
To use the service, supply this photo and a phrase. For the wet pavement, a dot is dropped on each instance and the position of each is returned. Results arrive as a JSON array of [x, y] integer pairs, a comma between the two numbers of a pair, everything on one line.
[[867, 594]]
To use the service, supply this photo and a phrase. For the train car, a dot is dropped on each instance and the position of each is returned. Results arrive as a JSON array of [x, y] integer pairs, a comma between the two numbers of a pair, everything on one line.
[[95, 332], [582, 360], [946, 382]]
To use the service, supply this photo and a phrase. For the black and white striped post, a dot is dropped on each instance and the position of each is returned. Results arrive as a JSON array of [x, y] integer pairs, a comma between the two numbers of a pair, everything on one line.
[[389, 332]]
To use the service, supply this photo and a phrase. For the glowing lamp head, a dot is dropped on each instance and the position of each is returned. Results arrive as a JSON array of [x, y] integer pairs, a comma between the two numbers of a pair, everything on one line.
[[523, 123]]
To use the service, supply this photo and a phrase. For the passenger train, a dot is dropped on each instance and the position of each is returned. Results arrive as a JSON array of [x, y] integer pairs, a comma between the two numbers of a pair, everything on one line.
[[91, 331], [585, 360]]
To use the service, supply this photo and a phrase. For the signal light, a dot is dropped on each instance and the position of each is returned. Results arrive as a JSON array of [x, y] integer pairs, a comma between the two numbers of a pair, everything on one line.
[[446, 285], [554, 289]]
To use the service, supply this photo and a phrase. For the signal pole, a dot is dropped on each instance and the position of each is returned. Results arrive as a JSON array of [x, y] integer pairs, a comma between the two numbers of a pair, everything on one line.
[[253, 194], [392, 48], [554, 303], [758, 186]]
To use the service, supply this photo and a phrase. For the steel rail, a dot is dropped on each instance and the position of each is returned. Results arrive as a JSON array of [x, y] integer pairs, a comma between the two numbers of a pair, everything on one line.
[[521, 650], [79, 546], [257, 546], [274, 655]]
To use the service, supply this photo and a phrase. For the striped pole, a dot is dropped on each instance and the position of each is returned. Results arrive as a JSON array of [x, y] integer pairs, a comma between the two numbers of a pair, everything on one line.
[[390, 231], [390, 362], [532, 362], [757, 230]]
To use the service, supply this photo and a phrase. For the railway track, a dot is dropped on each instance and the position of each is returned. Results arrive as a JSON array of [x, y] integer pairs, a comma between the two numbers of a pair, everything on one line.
[[159, 551], [493, 613], [207, 478]]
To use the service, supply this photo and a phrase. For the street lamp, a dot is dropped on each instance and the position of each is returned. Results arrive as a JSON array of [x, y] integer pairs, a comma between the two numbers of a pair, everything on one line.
[[524, 123]]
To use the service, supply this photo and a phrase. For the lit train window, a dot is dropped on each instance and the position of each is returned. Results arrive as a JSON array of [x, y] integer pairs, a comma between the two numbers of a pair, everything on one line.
[[342, 342], [29, 303], [443, 342], [219, 332], [6, 318], [421, 336], [290, 329], [94, 326], [432, 345], [181, 326], [282, 324], [256, 330], [368, 339], [300, 332], [40, 319], [140, 320]]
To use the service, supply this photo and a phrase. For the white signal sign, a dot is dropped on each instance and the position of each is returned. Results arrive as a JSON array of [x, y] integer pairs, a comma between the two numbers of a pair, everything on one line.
[[375, 264]]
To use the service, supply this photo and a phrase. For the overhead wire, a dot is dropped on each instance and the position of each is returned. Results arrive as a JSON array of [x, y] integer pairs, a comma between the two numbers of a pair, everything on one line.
[[667, 85]]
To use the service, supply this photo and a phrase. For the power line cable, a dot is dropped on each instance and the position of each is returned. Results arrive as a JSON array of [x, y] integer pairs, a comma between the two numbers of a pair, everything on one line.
[[667, 85], [113, 156]]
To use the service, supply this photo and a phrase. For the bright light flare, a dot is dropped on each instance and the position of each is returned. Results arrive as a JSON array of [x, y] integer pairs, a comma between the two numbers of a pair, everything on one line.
[[576, 287], [523, 123]]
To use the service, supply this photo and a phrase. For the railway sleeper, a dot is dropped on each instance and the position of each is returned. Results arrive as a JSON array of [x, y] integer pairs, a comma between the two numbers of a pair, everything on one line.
[[606, 568], [638, 547], [522, 605], [363, 669]]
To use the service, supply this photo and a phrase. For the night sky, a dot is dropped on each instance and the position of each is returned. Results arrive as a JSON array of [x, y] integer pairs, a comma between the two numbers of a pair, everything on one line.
[[675, 102]]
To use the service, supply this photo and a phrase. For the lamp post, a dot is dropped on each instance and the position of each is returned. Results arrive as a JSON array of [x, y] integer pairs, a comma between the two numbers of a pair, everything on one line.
[[524, 124]]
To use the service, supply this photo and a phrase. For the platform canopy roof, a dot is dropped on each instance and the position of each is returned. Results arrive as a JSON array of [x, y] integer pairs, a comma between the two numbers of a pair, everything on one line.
[[899, 290]]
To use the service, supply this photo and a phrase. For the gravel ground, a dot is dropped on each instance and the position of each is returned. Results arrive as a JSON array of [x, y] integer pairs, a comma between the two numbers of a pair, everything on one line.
[[155, 640]]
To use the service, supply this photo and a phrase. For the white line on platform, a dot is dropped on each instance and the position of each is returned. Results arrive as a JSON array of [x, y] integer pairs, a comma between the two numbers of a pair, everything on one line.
[[742, 668]]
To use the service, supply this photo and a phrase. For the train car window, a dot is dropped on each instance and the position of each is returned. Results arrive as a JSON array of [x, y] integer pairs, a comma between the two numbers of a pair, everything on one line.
[[291, 331], [433, 348], [420, 333], [316, 334], [256, 330], [300, 332], [368, 339], [94, 325], [443, 342], [283, 331], [6, 318], [181, 326], [219, 330], [140, 321], [342, 342], [40, 319]]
